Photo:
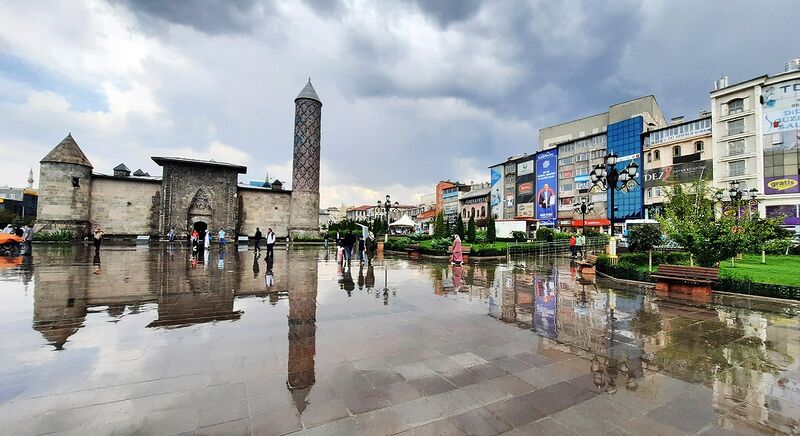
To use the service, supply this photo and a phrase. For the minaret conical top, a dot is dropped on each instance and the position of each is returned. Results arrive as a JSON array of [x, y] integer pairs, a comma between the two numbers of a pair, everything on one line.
[[308, 93]]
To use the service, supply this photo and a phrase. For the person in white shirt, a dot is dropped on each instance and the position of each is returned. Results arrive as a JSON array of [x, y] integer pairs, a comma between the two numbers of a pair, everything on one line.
[[221, 236], [270, 243]]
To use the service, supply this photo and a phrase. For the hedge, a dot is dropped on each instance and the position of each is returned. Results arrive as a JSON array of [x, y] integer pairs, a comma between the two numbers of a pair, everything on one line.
[[626, 270]]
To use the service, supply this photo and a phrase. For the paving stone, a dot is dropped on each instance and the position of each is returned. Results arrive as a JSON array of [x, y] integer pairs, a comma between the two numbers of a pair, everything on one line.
[[420, 412], [480, 422]]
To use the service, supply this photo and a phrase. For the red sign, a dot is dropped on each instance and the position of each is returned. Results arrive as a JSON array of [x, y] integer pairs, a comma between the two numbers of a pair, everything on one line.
[[591, 223], [525, 188]]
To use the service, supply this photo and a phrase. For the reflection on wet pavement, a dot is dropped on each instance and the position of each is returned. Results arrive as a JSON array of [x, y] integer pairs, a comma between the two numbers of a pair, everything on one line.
[[153, 341]]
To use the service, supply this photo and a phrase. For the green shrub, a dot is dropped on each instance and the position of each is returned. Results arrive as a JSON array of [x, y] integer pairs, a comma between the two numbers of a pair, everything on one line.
[[545, 234], [749, 287], [487, 250], [480, 236], [519, 236], [308, 238], [398, 244], [678, 258], [54, 236]]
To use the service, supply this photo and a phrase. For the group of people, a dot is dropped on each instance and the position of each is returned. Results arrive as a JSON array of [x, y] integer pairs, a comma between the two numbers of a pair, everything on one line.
[[25, 232], [576, 244], [195, 238], [346, 244], [269, 240]]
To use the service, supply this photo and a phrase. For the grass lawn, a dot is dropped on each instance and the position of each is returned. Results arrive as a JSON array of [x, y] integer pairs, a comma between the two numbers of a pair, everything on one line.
[[781, 270]]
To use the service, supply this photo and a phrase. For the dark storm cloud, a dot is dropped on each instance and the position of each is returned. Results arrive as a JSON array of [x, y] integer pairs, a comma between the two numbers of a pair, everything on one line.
[[208, 16], [446, 12]]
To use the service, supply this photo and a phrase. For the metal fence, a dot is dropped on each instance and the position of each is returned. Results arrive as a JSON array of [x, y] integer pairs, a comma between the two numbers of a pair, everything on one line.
[[557, 248]]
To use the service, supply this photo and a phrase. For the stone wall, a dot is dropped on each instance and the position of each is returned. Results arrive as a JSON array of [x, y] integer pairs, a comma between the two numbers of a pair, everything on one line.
[[63, 206], [264, 209], [185, 185], [126, 206]]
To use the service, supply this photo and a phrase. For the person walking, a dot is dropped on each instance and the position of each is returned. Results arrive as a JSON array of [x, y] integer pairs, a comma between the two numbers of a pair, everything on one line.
[[349, 240], [270, 243], [370, 246], [257, 239], [221, 236], [361, 247], [579, 243], [458, 255], [97, 237], [207, 241], [171, 235], [572, 242], [194, 239]]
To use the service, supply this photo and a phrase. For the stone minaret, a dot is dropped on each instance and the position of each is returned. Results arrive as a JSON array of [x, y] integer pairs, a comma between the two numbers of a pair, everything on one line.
[[65, 189], [30, 179], [304, 217]]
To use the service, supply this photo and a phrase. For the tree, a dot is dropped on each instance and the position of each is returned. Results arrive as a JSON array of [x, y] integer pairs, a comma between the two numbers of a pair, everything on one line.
[[643, 239], [491, 230], [471, 229], [689, 220], [439, 229], [460, 227]]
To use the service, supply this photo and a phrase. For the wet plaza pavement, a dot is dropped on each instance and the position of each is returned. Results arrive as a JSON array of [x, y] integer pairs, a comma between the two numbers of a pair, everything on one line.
[[146, 341]]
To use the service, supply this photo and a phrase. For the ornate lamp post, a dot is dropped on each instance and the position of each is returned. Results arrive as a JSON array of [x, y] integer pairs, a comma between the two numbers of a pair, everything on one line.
[[736, 196], [387, 207], [608, 178]]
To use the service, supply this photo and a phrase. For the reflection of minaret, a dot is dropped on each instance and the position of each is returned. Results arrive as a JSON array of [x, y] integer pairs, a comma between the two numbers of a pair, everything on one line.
[[302, 326], [305, 166], [59, 303]]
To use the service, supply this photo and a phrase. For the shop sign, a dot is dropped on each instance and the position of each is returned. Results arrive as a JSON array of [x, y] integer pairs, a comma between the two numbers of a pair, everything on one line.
[[591, 223], [525, 188], [525, 209], [680, 173], [524, 168], [781, 185]]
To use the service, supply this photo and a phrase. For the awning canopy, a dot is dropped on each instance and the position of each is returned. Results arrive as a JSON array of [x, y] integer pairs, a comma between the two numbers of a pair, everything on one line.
[[405, 221]]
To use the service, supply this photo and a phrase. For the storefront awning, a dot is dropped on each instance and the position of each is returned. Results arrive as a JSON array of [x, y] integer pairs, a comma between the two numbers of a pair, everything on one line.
[[591, 223]]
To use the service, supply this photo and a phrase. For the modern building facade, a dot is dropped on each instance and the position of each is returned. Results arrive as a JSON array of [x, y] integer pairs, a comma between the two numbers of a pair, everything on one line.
[[679, 154], [581, 144], [512, 184], [756, 140]]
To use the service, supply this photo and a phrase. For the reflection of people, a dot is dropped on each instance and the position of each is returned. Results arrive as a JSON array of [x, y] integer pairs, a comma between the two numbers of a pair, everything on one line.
[[269, 279], [370, 246], [96, 264], [369, 280], [457, 271], [255, 266], [361, 276], [546, 197], [347, 281]]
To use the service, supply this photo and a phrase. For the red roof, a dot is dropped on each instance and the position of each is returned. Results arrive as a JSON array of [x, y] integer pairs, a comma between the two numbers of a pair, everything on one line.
[[427, 214], [359, 208]]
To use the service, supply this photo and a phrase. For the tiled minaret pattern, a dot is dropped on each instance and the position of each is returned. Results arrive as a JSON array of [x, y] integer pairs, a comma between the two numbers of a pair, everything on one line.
[[306, 162]]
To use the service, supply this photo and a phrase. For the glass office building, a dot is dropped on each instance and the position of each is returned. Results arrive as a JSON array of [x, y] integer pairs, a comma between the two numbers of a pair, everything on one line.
[[625, 139]]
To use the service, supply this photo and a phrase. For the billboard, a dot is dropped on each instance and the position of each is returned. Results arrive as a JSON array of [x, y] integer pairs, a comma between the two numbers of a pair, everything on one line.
[[680, 173], [525, 209], [546, 185], [524, 168], [525, 184], [789, 212], [496, 191], [780, 105]]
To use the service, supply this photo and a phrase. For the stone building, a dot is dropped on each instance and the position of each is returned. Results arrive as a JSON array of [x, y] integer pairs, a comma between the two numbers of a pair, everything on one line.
[[190, 194]]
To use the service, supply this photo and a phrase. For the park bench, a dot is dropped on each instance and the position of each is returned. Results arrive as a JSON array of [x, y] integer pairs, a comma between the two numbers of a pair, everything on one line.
[[587, 266], [694, 280]]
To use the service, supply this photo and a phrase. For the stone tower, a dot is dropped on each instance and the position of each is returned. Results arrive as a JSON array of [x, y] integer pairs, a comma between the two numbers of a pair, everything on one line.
[[304, 218], [65, 189]]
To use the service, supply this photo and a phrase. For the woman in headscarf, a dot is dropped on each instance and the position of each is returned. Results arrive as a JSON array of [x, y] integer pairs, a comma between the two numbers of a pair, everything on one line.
[[370, 247], [458, 257]]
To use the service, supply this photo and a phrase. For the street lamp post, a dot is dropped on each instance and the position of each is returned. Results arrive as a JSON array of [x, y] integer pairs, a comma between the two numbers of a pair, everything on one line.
[[387, 207], [608, 178], [736, 196], [583, 208]]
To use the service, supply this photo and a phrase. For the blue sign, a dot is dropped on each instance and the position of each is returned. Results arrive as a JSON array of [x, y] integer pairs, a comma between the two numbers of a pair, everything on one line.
[[583, 178], [546, 187]]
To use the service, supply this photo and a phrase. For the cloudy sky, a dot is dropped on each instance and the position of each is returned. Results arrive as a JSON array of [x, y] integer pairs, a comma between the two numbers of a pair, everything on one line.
[[414, 91]]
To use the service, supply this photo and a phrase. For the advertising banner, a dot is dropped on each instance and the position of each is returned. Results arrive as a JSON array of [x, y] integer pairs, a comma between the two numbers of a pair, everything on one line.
[[789, 212], [496, 190], [782, 185], [781, 108], [546, 185], [524, 168], [525, 182], [525, 209], [680, 173]]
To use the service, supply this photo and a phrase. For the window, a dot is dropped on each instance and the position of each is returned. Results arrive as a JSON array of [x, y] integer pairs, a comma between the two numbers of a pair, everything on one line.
[[736, 106], [566, 201], [649, 156], [483, 211], [566, 174], [581, 171], [76, 182], [736, 168], [649, 192], [736, 148], [566, 187], [598, 154], [676, 151], [698, 146], [581, 185], [736, 127], [777, 138], [472, 213], [657, 191], [464, 212], [580, 157], [657, 155], [566, 148], [566, 161]]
